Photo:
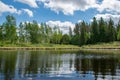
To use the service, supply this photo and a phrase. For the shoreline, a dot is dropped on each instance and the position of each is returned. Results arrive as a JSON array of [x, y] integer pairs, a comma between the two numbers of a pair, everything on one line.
[[104, 48], [39, 48], [57, 48], [87, 50]]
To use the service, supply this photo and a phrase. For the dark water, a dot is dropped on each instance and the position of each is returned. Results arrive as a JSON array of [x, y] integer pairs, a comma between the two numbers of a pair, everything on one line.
[[51, 65]]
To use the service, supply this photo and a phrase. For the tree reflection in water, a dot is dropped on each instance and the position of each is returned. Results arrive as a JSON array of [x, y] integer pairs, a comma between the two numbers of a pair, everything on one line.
[[52, 65]]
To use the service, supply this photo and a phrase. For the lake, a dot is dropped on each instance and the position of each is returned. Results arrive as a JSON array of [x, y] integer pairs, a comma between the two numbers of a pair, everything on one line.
[[59, 65]]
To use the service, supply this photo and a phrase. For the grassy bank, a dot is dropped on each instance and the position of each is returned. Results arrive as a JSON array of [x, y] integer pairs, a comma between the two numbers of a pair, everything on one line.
[[38, 45], [111, 45], [29, 46]]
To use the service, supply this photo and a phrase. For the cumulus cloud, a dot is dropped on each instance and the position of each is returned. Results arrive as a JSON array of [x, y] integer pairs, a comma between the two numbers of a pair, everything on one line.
[[109, 6], [111, 9], [7, 8], [69, 6], [107, 17], [64, 26], [29, 12], [11, 9], [79, 21], [31, 3]]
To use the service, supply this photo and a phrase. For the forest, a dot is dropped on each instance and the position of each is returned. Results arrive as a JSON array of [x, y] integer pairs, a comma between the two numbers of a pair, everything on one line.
[[97, 31]]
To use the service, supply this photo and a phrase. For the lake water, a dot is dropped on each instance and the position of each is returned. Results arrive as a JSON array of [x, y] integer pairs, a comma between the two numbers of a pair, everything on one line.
[[55, 65]]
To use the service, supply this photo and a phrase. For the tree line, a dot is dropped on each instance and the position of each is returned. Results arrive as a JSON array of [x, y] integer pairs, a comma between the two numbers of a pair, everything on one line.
[[97, 31], [30, 32], [83, 33]]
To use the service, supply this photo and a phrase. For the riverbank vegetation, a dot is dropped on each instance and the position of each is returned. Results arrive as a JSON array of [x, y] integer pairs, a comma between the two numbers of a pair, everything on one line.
[[110, 45], [41, 45], [32, 34]]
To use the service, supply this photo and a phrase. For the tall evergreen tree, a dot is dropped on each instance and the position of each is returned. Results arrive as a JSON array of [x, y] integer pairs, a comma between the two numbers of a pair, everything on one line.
[[94, 31], [118, 26], [77, 29], [118, 31], [84, 34], [111, 34], [118, 35], [76, 38], [102, 30], [1, 33], [70, 32]]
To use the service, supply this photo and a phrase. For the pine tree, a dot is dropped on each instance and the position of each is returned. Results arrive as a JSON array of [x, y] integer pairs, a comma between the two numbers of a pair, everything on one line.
[[70, 32], [76, 38], [1, 33], [102, 31], [118, 31], [84, 36], [111, 34], [94, 31]]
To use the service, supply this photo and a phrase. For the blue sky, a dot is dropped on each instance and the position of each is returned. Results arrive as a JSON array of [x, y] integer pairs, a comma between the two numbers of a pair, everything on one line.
[[60, 12]]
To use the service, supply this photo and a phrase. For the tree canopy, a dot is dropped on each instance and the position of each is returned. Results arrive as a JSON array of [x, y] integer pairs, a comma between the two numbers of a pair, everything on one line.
[[82, 34]]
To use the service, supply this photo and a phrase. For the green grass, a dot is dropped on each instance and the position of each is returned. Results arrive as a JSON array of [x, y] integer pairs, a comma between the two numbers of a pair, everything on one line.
[[43, 45], [111, 45], [115, 44]]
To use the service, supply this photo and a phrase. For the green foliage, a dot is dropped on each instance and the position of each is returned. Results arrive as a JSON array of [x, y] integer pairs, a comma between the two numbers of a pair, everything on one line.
[[118, 26], [118, 35], [102, 30], [84, 34], [10, 29], [32, 33], [111, 34], [70, 32], [1, 33], [57, 36], [21, 32], [75, 40], [65, 39], [94, 31], [97, 31], [77, 29], [118, 31]]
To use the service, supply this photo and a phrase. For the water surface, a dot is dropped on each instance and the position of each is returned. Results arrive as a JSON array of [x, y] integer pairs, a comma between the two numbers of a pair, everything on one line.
[[55, 65]]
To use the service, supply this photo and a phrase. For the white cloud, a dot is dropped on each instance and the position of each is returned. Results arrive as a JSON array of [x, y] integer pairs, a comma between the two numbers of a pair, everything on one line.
[[64, 26], [11, 9], [6, 8], [31, 3], [109, 6], [107, 17], [79, 21], [69, 6], [29, 12]]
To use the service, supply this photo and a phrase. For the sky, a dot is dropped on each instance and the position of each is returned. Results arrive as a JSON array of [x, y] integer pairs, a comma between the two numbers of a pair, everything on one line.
[[61, 13]]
